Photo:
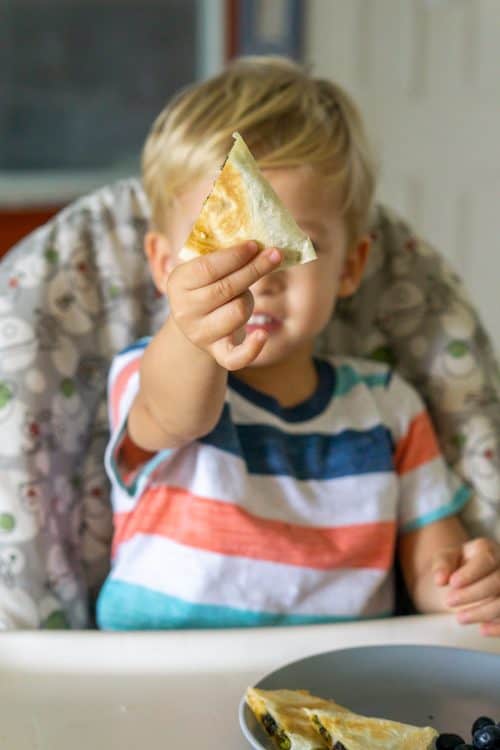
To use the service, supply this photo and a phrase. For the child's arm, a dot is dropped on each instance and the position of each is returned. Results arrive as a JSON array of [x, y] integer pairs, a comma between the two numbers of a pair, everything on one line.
[[184, 369], [445, 571]]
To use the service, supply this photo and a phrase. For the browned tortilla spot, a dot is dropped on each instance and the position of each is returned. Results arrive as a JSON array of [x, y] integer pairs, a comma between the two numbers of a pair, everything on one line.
[[224, 214]]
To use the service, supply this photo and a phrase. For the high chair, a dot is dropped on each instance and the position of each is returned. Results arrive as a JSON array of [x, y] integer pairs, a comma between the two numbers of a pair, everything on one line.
[[77, 290]]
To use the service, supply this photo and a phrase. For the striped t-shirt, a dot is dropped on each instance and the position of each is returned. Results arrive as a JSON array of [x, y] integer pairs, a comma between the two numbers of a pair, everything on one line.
[[279, 515]]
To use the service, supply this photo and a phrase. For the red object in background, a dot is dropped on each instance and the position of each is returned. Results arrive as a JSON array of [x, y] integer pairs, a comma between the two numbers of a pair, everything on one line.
[[233, 24], [16, 224]]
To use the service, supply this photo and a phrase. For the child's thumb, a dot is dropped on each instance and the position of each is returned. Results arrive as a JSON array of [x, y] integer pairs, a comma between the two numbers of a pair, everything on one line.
[[445, 563]]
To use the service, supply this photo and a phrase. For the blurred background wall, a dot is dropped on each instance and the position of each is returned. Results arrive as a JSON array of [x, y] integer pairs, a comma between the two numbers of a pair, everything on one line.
[[426, 74]]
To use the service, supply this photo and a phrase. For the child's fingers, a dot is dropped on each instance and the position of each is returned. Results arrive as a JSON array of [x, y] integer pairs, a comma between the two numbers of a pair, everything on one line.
[[491, 629], [444, 563], [481, 557], [224, 289], [238, 336], [222, 322], [217, 267], [206, 269], [233, 357], [486, 611], [487, 587]]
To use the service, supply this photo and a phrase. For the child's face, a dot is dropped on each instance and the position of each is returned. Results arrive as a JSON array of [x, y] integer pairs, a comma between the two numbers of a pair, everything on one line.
[[292, 305]]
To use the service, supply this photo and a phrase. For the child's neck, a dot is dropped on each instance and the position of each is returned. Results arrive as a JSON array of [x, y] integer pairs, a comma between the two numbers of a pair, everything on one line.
[[290, 381]]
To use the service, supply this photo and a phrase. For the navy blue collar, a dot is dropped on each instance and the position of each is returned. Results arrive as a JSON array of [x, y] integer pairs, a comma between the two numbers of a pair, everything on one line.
[[311, 407]]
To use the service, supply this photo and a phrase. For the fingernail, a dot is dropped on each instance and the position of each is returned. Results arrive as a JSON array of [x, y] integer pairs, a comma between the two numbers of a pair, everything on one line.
[[463, 617], [252, 245], [274, 255]]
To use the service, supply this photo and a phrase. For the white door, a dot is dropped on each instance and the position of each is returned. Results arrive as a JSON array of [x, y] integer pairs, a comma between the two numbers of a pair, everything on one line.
[[426, 74]]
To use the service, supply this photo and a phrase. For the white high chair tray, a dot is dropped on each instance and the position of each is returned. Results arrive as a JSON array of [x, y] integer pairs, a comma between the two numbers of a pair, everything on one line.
[[143, 691]]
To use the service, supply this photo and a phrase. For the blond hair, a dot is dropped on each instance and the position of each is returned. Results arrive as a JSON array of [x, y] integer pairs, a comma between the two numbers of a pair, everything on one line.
[[287, 117]]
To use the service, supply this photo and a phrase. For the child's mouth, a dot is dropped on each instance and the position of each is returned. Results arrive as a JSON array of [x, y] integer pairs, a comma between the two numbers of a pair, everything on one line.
[[259, 321]]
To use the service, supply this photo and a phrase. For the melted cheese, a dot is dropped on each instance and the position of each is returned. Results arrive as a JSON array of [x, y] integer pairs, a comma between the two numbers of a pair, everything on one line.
[[357, 732], [312, 723], [286, 708], [242, 206]]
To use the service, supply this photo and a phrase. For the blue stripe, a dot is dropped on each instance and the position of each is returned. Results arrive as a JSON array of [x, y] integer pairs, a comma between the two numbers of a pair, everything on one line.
[[139, 344], [460, 498], [126, 606], [348, 378], [268, 450]]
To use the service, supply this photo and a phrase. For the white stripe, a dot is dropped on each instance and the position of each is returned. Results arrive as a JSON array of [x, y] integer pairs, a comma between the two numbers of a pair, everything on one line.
[[210, 578], [356, 410], [398, 405], [425, 489], [122, 360], [209, 472], [131, 388], [127, 397]]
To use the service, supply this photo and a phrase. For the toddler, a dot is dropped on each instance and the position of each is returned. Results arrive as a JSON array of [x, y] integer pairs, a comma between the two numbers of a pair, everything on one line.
[[252, 482]]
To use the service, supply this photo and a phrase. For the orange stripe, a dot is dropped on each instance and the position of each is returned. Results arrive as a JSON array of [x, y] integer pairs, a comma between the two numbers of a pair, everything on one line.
[[418, 446], [227, 529], [119, 387]]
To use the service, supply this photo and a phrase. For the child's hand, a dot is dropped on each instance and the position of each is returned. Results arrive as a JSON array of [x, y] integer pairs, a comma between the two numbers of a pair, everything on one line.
[[472, 572], [210, 301]]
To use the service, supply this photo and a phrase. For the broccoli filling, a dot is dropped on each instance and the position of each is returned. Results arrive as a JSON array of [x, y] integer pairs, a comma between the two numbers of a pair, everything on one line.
[[269, 724], [323, 732], [283, 741], [273, 729]]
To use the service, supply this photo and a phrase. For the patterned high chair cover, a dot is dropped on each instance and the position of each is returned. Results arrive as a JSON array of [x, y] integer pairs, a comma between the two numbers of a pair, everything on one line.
[[77, 290]]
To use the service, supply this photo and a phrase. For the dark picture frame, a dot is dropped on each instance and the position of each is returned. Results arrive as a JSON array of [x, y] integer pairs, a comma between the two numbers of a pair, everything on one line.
[[266, 27]]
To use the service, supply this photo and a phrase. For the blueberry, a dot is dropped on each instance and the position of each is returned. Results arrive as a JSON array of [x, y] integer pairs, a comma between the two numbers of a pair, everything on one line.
[[487, 738], [448, 741], [480, 723]]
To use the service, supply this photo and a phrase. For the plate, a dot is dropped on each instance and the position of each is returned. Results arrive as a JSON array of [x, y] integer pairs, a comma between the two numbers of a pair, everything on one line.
[[446, 688]]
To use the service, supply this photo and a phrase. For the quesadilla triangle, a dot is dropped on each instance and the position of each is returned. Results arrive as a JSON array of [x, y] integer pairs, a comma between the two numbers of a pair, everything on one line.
[[351, 731], [281, 713], [243, 206]]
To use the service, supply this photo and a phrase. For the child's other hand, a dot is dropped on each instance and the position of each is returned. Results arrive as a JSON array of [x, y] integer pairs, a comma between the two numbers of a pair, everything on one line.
[[472, 572], [210, 301]]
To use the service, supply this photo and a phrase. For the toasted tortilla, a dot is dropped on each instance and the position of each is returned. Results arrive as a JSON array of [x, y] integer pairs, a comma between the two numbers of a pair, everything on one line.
[[243, 206], [281, 713], [349, 731]]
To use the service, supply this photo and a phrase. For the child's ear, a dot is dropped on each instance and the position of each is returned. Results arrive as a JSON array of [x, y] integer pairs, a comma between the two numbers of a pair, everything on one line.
[[354, 266], [159, 254]]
